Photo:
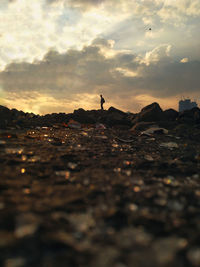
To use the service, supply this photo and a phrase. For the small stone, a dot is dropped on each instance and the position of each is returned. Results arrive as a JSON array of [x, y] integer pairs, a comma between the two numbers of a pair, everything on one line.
[[72, 165], [24, 157], [84, 133], [166, 248], [34, 159], [64, 173], [127, 162], [175, 205], [86, 181], [196, 176], [128, 172], [136, 189], [23, 170], [193, 256], [6, 239], [160, 201], [26, 225], [133, 207], [148, 157], [115, 145], [14, 150], [101, 136], [117, 169], [15, 262], [82, 222], [169, 145], [2, 205], [26, 191]]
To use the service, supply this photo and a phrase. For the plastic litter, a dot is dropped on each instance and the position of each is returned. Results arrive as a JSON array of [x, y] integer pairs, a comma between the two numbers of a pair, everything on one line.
[[154, 130], [169, 145], [100, 126], [101, 136], [128, 172], [73, 124], [72, 165], [14, 150], [64, 173], [124, 140], [148, 157]]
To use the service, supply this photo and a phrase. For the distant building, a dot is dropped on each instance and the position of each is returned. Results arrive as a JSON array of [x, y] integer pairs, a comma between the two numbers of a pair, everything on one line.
[[186, 104]]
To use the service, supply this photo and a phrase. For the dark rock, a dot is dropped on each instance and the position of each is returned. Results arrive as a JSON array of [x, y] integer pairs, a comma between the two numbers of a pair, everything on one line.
[[115, 117], [5, 116], [83, 116], [170, 114], [115, 110], [189, 116], [150, 113]]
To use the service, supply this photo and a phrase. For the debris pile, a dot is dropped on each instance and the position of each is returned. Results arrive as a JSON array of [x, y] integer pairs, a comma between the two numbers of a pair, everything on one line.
[[100, 188]]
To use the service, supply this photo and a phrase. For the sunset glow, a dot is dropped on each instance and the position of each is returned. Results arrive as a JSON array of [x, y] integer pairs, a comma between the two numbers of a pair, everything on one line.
[[59, 55]]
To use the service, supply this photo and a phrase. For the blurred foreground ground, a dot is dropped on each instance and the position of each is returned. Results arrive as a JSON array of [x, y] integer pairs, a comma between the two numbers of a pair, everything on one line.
[[99, 198]]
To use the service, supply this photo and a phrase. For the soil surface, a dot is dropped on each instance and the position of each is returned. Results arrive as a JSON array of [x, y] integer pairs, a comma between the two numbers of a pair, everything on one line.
[[99, 197]]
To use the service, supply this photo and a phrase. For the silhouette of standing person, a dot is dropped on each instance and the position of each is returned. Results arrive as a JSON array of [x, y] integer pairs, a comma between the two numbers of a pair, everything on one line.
[[102, 101]]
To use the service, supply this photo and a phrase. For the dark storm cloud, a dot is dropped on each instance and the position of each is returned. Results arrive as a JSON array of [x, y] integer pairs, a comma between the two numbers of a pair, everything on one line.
[[89, 71], [169, 79], [72, 72]]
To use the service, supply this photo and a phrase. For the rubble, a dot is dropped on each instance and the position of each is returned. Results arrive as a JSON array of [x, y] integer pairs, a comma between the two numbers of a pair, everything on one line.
[[99, 194], [154, 130]]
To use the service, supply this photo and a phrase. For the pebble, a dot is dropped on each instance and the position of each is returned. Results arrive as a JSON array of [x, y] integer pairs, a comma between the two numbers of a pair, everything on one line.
[[193, 256]]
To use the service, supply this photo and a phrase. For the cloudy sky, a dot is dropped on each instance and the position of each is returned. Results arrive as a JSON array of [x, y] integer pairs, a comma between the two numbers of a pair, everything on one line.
[[59, 55]]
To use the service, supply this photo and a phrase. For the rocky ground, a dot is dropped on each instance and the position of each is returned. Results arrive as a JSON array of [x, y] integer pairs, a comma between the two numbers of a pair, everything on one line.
[[122, 193]]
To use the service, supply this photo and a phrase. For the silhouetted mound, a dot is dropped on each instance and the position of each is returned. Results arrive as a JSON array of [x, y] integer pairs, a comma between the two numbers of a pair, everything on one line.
[[112, 110], [170, 114], [116, 117], [150, 113], [83, 116], [5, 116], [14, 117], [189, 116], [111, 117]]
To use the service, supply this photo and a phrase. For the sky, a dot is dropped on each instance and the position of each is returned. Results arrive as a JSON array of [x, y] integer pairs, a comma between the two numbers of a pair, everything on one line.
[[60, 55]]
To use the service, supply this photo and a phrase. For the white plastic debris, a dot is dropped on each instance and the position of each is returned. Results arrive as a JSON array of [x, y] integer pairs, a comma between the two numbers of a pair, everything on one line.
[[101, 136], [100, 126], [72, 165], [154, 130], [82, 222], [74, 124], [169, 145], [64, 173], [148, 157]]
